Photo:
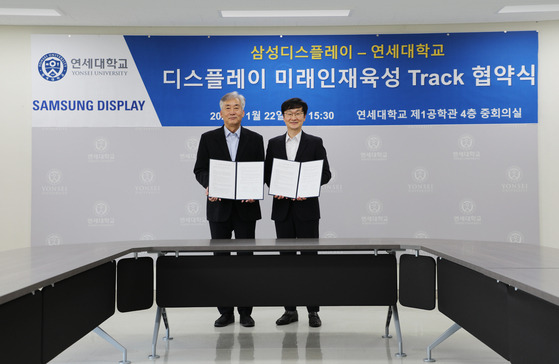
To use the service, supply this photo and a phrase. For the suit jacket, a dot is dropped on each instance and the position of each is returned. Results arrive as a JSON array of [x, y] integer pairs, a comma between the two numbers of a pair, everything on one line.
[[214, 146], [310, 148]]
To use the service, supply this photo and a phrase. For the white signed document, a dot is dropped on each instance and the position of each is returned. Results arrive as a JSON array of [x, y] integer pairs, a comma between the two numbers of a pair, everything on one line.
[[309, 179], [295, 179], [236, 180], [250, 181]]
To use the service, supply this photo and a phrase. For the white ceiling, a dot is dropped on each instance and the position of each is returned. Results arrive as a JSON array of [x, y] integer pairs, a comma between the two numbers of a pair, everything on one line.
[[178, 13]]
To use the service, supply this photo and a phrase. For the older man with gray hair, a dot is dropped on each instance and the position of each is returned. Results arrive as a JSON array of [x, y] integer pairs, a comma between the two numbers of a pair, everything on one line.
[[230, 142]]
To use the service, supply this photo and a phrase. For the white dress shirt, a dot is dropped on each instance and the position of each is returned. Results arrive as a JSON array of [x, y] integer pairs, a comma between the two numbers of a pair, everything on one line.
[[292, 145]]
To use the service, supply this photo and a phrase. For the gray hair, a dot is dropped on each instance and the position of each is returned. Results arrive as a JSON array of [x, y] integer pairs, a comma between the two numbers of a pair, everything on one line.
[[231, 96]]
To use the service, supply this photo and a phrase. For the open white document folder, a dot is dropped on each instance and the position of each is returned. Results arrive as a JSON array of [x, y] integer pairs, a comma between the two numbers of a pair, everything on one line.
[[236, 180], [296, 179]]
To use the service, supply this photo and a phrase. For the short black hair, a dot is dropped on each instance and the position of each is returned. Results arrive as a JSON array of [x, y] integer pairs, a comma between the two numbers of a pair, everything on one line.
[[294, 103]]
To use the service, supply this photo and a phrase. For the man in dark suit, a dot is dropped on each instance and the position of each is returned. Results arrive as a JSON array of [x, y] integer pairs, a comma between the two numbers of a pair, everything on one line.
[[296, 218], [231, 142]]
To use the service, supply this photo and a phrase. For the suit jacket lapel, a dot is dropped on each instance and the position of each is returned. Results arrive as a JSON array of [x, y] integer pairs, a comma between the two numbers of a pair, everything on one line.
[[283, 149], [243, 142], [302, 146], [223, 143]]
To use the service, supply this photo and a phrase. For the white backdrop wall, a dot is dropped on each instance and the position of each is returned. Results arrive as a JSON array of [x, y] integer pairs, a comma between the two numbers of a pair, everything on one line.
[[474, 182], [15, 127]]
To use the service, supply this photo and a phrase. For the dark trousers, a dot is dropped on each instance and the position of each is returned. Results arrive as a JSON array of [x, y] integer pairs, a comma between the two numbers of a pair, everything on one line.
[[225, 230], [294, 228]]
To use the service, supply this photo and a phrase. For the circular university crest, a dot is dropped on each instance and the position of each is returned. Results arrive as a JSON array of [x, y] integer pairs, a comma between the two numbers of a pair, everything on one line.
[[516, 237], [52, 67], [466, 142], [420, 175], [101, 144], [374, 143], [147, 176], [467, 206], [101, 208], [54, 239], [192, 144], [375, 207], [514, 174], [54, 177], [192, 208]]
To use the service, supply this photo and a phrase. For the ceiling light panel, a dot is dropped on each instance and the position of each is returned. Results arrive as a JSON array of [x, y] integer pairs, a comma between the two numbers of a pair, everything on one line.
[[529, 9], [282, 13], [28, 12]]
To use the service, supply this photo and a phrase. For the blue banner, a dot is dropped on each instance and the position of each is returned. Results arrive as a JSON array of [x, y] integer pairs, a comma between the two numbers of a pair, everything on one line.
[[400, 79]]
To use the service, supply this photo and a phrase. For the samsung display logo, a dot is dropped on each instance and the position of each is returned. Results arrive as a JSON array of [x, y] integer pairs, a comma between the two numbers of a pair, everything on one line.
[[88, 105]]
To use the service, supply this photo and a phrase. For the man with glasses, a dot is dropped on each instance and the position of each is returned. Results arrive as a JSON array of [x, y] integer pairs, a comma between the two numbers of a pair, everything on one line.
[[296, 218], [230, 142]]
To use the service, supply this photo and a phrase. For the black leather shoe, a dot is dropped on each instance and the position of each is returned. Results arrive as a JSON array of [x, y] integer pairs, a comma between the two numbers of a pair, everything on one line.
[[287, 318], [224, 320], [247, 321], [314, 320]]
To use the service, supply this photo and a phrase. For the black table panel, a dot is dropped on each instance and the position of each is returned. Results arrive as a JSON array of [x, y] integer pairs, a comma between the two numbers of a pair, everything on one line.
[[75, 306], [475, 302], [273, 280], [21, 323], [417, 281], [134, 284], [534, 329]]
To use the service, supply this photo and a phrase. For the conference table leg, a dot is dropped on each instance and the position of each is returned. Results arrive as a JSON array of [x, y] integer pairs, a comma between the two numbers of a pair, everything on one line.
[[441, 338], [99, 331], [400, 353], [155, 333], [394, 310], [387, 325], [167, 336], [160, 313]]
